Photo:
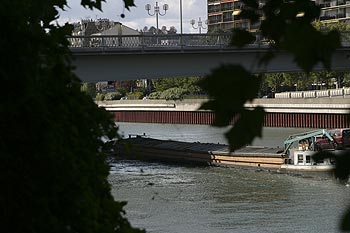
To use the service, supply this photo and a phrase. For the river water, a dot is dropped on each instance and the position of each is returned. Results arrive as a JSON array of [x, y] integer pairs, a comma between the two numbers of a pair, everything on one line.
[[179, 199]]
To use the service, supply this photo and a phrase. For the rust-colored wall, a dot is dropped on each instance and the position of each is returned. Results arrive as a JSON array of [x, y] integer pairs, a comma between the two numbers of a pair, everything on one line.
[[302, 120]]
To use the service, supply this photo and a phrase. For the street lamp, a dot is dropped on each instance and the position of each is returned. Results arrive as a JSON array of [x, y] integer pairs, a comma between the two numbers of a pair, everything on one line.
[[156, 11], [199, 23], [181, 16]]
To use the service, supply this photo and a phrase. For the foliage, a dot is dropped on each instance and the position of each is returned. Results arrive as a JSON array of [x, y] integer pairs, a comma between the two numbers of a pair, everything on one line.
[[89, 88], [289, 32], [279, 82], [174, 93], [190, 84], [122, 91], [135, 95], [227, 99], [113, 96], [172, 30], [100, 96], [155, 95], [163, 31], [341, 26], [52, 176], [288, 24]]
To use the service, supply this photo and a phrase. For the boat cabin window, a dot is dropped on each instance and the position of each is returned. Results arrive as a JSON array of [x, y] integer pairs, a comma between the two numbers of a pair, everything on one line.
[[308, 159], [335, 133], [332, 161], [346, 133], [300, 158]]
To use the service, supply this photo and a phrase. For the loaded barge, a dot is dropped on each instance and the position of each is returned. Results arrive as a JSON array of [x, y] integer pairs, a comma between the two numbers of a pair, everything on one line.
[[295, 156]]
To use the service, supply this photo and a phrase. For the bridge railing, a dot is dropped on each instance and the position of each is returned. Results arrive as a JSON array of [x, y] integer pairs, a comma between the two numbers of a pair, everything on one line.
[[142, 41], [340, 92]]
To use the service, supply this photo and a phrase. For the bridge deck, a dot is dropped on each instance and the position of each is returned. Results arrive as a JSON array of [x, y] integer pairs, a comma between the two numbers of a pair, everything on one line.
[[107, 58]]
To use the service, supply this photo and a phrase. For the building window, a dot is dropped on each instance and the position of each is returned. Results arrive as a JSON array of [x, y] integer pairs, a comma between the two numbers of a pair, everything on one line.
[[227, 16], [214, 19], [300, 159], [227, 6], [308, 159]]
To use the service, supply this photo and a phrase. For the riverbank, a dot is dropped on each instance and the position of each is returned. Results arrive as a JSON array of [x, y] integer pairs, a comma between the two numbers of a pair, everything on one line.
[[303, 113]]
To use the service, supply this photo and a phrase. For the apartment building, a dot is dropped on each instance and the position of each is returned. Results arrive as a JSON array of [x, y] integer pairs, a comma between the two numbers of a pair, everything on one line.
[[333, 11], [224, 14]]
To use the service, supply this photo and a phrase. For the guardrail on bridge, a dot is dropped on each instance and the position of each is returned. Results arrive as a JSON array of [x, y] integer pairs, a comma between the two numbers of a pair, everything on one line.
[[174, 41], [340, 92]]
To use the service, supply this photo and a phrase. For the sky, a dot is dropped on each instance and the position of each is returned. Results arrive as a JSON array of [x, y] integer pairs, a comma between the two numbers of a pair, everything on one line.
[[137, 17]]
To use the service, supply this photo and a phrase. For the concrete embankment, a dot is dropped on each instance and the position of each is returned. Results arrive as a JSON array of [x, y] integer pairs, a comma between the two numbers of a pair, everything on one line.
[[308, 113]]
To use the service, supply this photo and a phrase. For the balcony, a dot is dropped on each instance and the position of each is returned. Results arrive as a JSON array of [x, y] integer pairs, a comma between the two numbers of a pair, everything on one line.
[[213, 9], [325, 5], [336, 16], [228, 19], [214, 20]]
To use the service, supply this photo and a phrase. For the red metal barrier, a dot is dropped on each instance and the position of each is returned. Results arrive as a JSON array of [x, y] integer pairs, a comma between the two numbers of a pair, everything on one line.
[[305, 120]]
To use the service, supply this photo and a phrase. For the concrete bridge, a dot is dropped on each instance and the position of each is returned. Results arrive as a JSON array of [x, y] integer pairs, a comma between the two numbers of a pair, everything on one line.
[[305, 113], [107, 58]]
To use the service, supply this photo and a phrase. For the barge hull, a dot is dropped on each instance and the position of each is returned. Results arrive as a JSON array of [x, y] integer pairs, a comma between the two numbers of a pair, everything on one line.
[[198, 153]]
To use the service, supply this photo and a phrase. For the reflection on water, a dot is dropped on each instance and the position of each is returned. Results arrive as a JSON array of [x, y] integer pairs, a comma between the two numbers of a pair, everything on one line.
[[172, 198], [169, 198]]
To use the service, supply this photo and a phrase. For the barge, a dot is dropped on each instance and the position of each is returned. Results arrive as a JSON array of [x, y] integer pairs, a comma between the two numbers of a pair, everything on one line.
[[296, 155]]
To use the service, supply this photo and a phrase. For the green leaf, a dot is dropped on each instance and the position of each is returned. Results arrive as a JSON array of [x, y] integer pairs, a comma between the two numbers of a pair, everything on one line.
[[246, 128], [229, 87], [249, 14], [91, 4], [345, 223], [251, 3], [309, 46], [128, 4], [266, 58], [241, 37]]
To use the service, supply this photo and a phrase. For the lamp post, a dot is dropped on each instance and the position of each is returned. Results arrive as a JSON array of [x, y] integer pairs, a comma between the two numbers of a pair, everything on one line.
[[156, 12], [181, 17], [199, 23]]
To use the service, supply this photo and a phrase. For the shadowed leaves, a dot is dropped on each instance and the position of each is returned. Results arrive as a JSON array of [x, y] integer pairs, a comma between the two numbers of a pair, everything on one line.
[[229, 88], [287, 25], [318, 47], [246, 128], [58, 171], [342, 172], [251, 3], [91, 4], [128, 4], [342, 160], [241, 37], [249, 14]]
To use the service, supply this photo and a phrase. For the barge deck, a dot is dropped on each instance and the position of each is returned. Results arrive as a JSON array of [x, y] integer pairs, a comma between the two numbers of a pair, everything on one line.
[[200, 153]]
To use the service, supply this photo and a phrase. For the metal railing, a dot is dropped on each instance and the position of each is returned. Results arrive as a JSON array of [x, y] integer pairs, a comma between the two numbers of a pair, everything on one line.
[[173, 41], [340, 92], [150, 41]]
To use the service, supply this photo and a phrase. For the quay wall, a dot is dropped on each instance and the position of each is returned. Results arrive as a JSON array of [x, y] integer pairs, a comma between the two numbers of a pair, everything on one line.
[[305, 113]]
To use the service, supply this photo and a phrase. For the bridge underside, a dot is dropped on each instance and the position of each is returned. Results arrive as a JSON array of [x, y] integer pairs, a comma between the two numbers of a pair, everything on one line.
[[94, 65]]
